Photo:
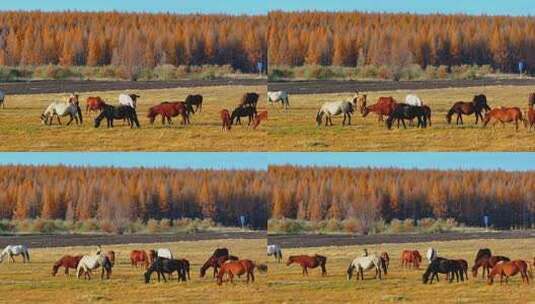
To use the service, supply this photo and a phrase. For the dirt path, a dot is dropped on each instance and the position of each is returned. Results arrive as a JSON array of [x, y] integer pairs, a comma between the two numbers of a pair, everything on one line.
[[338, 86], [299, 241], [50, 240], [60, 86]]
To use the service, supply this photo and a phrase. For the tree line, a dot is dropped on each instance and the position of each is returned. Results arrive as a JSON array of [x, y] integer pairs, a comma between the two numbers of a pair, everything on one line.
[[315, 194], [131, 39], [359, 39], [123, 195]]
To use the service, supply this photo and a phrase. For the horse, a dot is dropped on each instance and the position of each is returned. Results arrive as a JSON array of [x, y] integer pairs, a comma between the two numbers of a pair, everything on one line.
[[277, 96], [530, 120], [413, 100], [482, 252], [441, 265], [14, 250], [275, 250], [111, 255], [66, 261], [164, 265], [365, 263], [509, 269], [476, 106], [404, 111], [386, 258], [168, 110], [236, 268], [246, 110], [411, 258], [225, 120], [263, 115], [383, 106], [431, 254], [93, 104], [250, 99], [531, 100], [91, 262], [128, 100], [194, 100], [334, 108], [487, 262], [117, 112], [2, 99], [139, 257], [503, 115], [306, 261], [59, 109], [464, 267], [216, 262]]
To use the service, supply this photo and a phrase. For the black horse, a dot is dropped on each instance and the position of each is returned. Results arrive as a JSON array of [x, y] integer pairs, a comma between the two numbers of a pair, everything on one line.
[[250, 99], [189, 108], [164, 265], [220, 252], [243, 111], [481, 253], [404, 111], [441, 265], [117, 112], [194, 100]]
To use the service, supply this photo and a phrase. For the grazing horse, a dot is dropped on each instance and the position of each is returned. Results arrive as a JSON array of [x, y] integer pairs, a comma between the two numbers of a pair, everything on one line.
[[93, 104], [503, 115], [411, 258], [431, 254], [509, 269], [164, 265], [404, 111], [530, 120], [236, 268], [531, 100], [277, 96], [413, 100], [216, 263], [193, 100], [334, 108], [225, 120], [59, 109], [128, 100], [2, 99], [250, 99], [383, 106], [386, 258], [276, 251], [117, 112], [14, 250], [487, 262], [263, 115], [478, 105], [66, 261], [91, 262], [482, 252], [246, 110], [139, 257], [365, 263], [441, 265], [168, 110], [306, 261]]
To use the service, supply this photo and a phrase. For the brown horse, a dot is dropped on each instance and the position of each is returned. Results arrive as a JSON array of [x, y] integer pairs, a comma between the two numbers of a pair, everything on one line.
[[225, 120], [236, 268], [464, 267], [503, 115], [530, 118], [383, 107], [261, 116], [411, 258], [306, 261], [509, 269], [487, 263], [531, 100], [478, 105], [386, 259], [111, 255], [94, 104], [139, 257], [66, 261], [168, 110], [216, 262]]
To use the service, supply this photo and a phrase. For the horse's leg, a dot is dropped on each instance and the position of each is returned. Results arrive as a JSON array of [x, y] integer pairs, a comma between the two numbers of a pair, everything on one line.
[[70, 120], [403, 122]]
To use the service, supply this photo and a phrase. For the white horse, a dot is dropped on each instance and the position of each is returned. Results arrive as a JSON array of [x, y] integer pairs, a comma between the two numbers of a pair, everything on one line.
[[365, 263], [164, 253], [281, 96], [59, 109], [334, 108], [431, 254], [275, 250], [128, 100], [91, 262], [14, 250], [413, 100], [2, 99]]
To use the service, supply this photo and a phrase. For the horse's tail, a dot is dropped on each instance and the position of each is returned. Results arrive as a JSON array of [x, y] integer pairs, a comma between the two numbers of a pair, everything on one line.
[[350, 270]]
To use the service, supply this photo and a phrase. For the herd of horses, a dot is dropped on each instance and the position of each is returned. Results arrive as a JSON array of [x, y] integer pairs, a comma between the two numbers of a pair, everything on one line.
[[160, 261]]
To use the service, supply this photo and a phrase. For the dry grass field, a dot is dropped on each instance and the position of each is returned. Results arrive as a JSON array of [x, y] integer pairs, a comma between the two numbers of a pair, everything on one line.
[[33, 283], [286, 284]]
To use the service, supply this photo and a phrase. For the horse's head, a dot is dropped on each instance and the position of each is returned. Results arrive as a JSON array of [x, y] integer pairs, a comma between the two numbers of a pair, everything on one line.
[[389, 122], [350, 271], [448, 117], [425, 276], [290, 260], [43, 118], [98, 119], [55, 269], [319, 115]]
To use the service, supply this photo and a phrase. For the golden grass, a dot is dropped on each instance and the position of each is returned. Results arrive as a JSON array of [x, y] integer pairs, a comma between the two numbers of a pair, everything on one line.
[[32, 283], [286, 284], [21, 128], [296, 129]]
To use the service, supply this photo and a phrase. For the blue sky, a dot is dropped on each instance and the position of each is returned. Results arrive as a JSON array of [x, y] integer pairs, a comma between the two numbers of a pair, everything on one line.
[[260, 161], [513, 7]]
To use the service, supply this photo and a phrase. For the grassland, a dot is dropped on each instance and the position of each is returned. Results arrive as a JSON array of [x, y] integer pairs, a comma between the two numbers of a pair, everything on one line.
[[32, 283], [286, 284]]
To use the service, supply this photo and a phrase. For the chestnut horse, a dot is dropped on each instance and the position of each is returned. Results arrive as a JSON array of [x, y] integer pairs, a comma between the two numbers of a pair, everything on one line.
[[509, 269], [531, 100], [503, 115], [236, 268], [93, 104], [383, 106], [216, 262], [478, 104], [139, 257], [487, 263], [66, 261], [261, 116], [411, 258], [306, 261], [168, 110], [530, 121], [225, 120]]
